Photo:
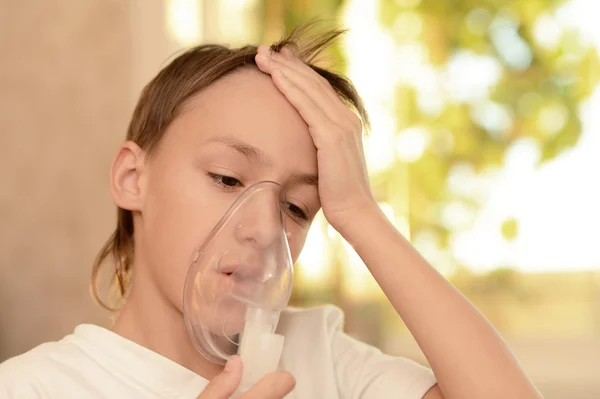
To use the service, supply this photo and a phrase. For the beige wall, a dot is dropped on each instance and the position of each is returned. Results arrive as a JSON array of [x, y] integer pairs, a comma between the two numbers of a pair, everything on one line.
[[70, 73], [65, 97]]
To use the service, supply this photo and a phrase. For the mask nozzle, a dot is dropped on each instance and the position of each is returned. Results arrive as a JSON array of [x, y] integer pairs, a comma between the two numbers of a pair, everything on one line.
[[260, 348]]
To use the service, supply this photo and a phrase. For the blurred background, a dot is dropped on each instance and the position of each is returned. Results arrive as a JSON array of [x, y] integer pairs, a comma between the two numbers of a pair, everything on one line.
[[485, 152]]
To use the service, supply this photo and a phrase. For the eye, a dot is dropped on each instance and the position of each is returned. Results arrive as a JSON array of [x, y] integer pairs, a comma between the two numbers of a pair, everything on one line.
[[226, 182], [295, 211]]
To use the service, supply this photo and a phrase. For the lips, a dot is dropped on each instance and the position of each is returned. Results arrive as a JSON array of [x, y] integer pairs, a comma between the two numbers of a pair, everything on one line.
[[227, 269], [240, 280], [242, 272]]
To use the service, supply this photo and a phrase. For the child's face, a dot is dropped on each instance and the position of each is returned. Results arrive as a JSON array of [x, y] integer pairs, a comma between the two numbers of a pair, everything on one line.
[[243, 128]]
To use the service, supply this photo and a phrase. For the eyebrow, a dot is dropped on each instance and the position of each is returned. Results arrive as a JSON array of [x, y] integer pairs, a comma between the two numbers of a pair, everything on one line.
[[305, 178], [245, 149], [254, 153]]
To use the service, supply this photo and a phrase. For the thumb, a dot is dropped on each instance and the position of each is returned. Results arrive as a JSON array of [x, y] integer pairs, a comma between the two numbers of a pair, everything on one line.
[[225, 383]]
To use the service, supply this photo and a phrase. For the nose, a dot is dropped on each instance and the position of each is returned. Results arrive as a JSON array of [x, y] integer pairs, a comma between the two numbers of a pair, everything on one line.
[[261, 224]]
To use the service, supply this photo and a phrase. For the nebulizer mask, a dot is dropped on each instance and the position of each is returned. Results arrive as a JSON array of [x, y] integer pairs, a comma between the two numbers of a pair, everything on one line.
[[239, 280]]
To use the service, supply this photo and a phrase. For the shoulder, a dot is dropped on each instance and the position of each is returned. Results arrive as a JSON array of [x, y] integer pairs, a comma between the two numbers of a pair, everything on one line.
[[31, 361], [43, 371], [326, 319], [44, 358], [317, 349], [24, 375]]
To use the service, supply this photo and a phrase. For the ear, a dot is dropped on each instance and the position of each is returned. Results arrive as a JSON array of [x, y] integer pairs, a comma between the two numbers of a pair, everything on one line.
[[126, 173]]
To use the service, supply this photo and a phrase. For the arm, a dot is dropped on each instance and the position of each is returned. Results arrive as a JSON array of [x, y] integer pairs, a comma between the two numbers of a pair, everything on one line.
[[466, 353]]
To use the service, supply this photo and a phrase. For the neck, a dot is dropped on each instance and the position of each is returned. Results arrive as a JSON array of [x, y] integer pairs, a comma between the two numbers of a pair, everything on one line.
[[151, 320]]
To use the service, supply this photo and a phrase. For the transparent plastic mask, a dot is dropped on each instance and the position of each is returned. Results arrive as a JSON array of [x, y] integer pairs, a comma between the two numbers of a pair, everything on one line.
[[240, 276]]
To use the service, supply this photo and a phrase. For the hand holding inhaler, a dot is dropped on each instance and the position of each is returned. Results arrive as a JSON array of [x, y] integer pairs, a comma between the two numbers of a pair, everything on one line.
[[274, 385]]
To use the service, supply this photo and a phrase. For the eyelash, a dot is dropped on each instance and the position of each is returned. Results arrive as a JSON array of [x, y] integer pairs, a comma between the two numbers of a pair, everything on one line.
[[219, 180]]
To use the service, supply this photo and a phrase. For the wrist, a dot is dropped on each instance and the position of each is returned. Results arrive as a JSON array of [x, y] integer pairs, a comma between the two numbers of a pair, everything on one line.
[[362, 224]]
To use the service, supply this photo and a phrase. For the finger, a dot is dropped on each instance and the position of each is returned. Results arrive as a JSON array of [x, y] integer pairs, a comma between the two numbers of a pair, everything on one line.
[[313, 115], [286, 53], [308, 81], [310, 88], [273, 386], [263, 48], [285, 57], [225, 383], [333, 107]]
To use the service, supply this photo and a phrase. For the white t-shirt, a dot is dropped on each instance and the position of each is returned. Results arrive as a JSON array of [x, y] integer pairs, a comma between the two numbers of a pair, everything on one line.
[[94, 362]]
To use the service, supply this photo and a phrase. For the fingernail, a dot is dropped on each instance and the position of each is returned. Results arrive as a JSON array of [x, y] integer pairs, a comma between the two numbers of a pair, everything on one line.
[[262, 58], [278, 73], [230, 364]]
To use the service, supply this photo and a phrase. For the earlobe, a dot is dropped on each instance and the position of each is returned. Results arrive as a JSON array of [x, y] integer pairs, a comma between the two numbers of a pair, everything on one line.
[[125, 176]]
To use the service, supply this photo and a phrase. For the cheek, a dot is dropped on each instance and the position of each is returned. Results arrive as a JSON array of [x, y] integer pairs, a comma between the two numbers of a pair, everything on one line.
[[180, 210]]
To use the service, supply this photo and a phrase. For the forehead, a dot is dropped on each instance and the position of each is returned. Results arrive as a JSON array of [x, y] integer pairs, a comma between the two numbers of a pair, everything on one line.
[[247, 105]]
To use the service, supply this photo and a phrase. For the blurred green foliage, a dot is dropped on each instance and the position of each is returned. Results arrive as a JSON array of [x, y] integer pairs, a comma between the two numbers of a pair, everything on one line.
[[542, 76], [538, 89], [532, 90]]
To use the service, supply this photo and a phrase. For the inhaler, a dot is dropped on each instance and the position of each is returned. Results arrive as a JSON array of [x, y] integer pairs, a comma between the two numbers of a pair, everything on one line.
[[239, 280]]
